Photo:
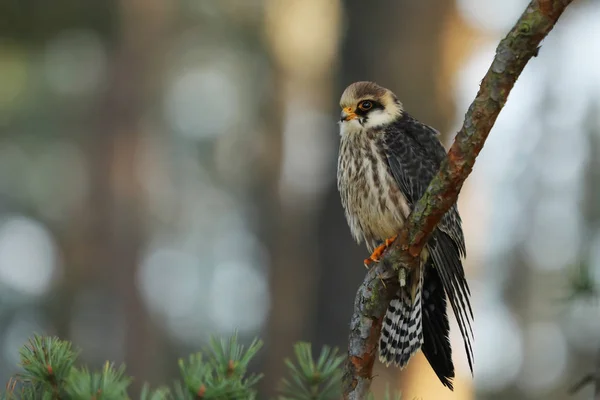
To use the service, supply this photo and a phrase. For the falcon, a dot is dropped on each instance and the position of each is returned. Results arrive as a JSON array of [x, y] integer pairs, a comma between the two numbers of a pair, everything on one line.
[[386, 160]]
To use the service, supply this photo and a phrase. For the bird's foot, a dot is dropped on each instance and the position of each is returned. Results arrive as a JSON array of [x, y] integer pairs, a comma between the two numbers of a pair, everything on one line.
[[378, 253]]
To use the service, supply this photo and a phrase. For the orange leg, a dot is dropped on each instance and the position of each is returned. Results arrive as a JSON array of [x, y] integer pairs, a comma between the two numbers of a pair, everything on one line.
[[379, 251]]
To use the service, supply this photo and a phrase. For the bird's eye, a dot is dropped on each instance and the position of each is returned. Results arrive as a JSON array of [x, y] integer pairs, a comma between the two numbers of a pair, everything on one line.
[[365, 105]]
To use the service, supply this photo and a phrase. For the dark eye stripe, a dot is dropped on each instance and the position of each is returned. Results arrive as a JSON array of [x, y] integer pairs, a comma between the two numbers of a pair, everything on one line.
[[374, 106]]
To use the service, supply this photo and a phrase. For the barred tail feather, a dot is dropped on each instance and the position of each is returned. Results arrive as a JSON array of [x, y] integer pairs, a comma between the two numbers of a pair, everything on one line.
[[402, 329]]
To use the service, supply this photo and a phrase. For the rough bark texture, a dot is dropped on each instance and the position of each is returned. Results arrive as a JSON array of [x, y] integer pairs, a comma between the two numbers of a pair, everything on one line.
[[513, 53]]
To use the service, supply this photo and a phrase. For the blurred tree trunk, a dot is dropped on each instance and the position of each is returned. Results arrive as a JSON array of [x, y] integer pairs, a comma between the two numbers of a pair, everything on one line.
[[400, 46], [298, 150], [107, 234]]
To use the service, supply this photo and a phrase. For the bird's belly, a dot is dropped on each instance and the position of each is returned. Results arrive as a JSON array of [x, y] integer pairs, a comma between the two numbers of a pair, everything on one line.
[[377, 215], [374, 205]]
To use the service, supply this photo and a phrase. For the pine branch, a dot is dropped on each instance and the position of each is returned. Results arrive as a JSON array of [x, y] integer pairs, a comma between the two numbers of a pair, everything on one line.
[[109, 384], [49, 374], [223, 376], [219, 372], [47, 363], [310, 380], [512, 54]]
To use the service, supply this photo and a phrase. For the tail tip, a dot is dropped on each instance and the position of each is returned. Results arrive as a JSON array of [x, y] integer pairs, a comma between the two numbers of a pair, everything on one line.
[[388, 359]]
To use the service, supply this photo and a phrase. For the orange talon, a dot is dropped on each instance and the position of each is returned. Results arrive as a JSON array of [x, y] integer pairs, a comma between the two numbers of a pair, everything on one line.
[[379, 251], [389, 241]]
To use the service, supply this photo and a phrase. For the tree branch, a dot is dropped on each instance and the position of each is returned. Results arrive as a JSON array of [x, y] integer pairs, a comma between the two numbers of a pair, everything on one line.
[[512, 54]]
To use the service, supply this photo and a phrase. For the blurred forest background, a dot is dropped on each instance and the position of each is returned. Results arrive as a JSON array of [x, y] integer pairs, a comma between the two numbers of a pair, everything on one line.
[[167, 172]]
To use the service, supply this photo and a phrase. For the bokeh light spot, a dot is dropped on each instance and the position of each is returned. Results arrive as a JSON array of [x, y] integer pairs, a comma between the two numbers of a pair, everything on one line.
[[27, 255]]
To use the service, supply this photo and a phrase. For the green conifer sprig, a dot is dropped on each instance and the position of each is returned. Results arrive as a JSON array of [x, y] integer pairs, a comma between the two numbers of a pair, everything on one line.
[[222, 376], [16, 391], [310, 380], [218, 372], [47, 363], [109, 384], [231, 360]]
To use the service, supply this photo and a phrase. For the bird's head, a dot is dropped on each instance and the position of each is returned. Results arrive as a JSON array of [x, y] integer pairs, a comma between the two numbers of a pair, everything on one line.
[[366, 105]]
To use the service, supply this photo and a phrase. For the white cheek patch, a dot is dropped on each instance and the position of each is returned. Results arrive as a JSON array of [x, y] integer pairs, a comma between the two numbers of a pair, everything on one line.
[[379, 117]]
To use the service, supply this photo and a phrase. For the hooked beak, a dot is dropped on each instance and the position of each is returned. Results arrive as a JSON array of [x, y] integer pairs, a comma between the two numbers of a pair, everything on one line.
[[348, 114]]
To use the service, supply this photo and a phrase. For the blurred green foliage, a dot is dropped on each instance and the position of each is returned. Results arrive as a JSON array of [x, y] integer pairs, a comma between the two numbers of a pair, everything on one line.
[[218, 372]]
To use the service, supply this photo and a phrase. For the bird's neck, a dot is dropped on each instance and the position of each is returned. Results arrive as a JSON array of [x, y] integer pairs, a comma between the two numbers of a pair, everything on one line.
[[355, 133], [350, 129]]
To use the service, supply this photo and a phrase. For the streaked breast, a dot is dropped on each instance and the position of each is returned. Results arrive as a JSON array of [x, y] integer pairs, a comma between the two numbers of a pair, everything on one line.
[[374, 206]]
